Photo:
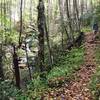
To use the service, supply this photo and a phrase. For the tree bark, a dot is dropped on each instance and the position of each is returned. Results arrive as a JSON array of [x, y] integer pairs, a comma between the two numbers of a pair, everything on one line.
[[1, 51], [63, 26], [48, 43], [16, 68], [1, 65], [71, 40], [21, 24], [41, 26], [76, 15]]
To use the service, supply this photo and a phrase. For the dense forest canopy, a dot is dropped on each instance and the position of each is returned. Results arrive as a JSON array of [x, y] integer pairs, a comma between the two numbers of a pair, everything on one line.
[[43, 43]]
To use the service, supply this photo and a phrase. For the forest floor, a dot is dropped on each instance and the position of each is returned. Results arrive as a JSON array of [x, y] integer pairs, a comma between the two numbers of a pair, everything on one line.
[[78, 89]]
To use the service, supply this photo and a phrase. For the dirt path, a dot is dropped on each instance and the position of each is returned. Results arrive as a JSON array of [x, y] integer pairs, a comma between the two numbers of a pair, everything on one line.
[[78, 89]]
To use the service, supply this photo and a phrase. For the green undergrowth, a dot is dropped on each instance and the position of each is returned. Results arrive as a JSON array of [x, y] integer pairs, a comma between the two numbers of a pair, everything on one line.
[[66, 64], [86, 29], [95, 80]]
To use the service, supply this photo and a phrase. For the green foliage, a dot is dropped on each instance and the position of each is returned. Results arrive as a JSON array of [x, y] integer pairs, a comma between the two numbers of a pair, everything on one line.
[[65, 66], [86, 29], [7, 90], [95, 84], [7, 35], [97, 13], [95, 80], [87, 18], [91, 17], [11, 37], [67, 63], [36, 88]]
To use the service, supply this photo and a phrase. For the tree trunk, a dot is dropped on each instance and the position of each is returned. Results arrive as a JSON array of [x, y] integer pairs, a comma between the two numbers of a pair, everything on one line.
[[1, 51], [69, 23], [47, 30], [63, 26], [1, 65], [31, 13], [16, 68], [82, 11], [48, 43], [41, 26], [21, 24], [76, 15]]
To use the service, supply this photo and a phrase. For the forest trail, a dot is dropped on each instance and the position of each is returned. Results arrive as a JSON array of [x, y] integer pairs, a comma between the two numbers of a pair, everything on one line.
[[78, 88]]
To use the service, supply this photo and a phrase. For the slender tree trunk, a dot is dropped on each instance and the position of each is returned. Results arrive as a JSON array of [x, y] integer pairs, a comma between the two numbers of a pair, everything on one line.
[[82, 11], [63, 26], [41, 26], [1, 45], [21, 24], [69, 23], [31, 11], [1, 64], [16, 68], [49, 15], [47, 30], [48, 43], [76, 15], [91, 3], [62, 22]]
